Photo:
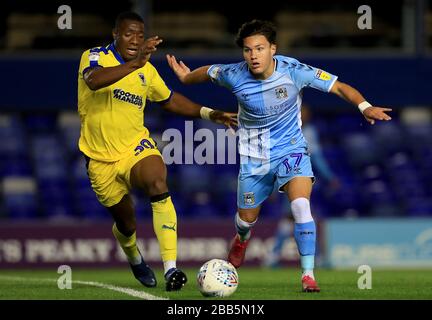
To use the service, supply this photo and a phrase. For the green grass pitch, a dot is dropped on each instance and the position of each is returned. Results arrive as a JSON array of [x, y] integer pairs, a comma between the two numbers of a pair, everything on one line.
[[255, 283]]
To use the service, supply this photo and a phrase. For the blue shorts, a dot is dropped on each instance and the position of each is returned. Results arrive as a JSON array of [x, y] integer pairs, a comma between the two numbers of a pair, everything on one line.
[[258, 178]]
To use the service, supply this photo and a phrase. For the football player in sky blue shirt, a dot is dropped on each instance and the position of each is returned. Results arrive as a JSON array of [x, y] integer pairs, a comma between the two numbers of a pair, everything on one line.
[[273, 150]]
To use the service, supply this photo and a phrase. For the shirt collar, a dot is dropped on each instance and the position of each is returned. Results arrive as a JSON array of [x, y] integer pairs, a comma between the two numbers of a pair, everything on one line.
[[116, 53]]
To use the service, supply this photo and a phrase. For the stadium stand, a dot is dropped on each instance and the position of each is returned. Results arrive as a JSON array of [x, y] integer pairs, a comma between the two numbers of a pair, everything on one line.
[[385, 170]]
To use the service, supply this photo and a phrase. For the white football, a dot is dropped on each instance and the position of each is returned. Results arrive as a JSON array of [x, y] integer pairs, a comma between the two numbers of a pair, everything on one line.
[[217, 278]]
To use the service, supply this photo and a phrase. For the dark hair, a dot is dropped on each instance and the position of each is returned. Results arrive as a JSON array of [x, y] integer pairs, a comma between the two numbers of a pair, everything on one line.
[[254, 27], [127, 15]]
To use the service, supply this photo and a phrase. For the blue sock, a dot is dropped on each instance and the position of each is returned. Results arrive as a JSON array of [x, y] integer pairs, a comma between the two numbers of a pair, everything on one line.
[[305, 236]]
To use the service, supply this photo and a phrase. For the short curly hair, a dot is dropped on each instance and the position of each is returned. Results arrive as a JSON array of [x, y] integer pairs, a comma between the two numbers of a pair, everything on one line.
[[127, 15], [254, 27]]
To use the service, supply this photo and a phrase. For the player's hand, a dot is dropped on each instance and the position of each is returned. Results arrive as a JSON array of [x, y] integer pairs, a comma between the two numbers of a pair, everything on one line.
[[228, 119], [376, 113], [149, 46], [180, 69]]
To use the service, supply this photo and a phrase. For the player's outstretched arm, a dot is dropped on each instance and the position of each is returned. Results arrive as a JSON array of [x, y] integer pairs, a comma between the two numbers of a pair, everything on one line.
[[97, 78], [181, 105], [184, 74], [353, 96]]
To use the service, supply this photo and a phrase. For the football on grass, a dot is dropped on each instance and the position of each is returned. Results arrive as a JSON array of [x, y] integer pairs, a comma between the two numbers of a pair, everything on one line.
[[217, 278]]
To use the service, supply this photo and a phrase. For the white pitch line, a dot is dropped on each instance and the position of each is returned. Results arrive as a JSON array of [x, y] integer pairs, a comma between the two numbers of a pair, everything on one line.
[[128, 291]]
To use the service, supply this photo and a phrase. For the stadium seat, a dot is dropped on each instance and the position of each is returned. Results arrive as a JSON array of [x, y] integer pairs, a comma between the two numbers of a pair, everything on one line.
[[20, 197], [69, 126], [200, 204], [373, 162], [419, 207], [360, 149], [15, 165], [38, 123], [389, 137], [386, 210], [378, 192], [12, 136], [195, 178]]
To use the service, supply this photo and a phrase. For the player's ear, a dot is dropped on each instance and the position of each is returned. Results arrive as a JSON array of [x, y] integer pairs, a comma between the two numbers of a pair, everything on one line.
[[273, 49], [114, 34]]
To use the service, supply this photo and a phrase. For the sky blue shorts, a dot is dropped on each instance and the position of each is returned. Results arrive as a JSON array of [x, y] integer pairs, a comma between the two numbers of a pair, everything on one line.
[[258, 178]]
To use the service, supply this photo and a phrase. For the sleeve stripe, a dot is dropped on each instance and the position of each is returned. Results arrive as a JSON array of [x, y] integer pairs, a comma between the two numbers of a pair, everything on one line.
[[99, 49], [333, 82], [93, 63], [91, 67], [167, 99]]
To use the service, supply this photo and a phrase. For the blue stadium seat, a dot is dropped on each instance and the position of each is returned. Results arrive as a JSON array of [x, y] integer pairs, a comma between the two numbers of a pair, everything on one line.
[[13, 146], [20, 197], [58, 208], [226, 203], [14, 165], [153, 122], [142, 205], [179, 202], [380, 174], [224, 181], [419, 207], [372, 172], [273, 206], [85, 203], [399, 161], [10, 125], [37, 123], [360, 149], [386, 210], [195, 178], [47, 147], [200, 204], [12, 136], [69, 126], [419, 133], [79, 169], [389, 137], [349, 123], [378, 192], [91, 209]]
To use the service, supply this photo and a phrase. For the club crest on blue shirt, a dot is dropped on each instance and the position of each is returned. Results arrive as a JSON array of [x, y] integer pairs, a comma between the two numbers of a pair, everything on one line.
[[281, 93], [249, 198], [143, 80], [245, 96]]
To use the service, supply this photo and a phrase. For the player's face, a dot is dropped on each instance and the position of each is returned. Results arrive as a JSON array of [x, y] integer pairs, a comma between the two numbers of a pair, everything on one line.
[[128, 38], [258, 53]]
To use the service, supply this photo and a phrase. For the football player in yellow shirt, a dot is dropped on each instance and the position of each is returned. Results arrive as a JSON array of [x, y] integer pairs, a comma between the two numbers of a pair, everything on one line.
[[113, 84]]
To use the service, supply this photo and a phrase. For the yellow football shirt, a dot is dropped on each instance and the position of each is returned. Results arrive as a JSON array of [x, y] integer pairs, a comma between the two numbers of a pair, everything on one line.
[[112, 118]]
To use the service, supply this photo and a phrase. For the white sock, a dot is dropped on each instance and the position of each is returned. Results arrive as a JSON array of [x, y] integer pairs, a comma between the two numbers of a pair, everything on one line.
[[309, 273], [135, 260], [243, 227], [301, 211], [169, 265]]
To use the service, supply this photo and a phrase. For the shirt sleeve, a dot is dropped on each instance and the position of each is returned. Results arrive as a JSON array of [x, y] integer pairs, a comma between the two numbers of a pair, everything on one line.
[[93, 58], [221, 75], [304, 75], [158, 90]]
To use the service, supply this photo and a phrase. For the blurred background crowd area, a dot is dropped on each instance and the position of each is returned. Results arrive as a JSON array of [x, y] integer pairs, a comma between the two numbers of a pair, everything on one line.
[[383, 170], [198, 27]]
